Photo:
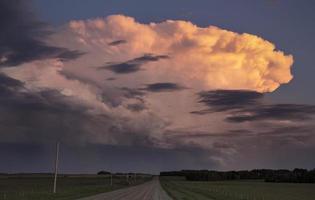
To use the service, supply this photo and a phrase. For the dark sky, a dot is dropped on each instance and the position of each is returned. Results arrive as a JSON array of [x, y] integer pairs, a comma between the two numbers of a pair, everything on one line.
[[122, 94]]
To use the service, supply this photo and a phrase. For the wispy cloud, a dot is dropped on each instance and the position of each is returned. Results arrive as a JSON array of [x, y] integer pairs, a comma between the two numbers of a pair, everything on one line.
[[133, 65], [117, 42], [245, 106], [224, 100], [163, 87], [295, 112]]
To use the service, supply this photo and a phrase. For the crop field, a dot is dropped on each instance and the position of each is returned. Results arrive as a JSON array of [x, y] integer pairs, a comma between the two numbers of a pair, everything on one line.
[[71, 187], [180, 189]]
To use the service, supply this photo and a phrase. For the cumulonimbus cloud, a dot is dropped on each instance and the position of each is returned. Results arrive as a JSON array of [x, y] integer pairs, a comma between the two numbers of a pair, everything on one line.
[[218, 58], [147, 60]]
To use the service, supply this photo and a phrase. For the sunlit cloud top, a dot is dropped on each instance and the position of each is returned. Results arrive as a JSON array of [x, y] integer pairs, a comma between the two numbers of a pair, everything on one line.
[[218, 58]]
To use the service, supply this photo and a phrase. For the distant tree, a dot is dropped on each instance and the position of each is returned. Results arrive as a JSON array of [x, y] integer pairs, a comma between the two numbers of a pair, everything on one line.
[[103, 172]]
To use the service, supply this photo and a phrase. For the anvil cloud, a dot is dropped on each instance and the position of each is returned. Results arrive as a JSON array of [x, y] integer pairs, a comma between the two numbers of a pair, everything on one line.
[[173, 56], [134, 84], [141, 59], [217, 58]]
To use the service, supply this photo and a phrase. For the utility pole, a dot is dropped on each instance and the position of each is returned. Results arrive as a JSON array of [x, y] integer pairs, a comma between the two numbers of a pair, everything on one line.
[[56, 167], [111, 174], [111, 179]]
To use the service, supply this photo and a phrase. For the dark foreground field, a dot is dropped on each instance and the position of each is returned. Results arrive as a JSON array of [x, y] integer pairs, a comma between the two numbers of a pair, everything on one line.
[[71, 187], [180, 189]]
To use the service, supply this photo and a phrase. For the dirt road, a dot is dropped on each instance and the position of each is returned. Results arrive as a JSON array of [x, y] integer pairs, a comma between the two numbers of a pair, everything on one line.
[[151, 190]]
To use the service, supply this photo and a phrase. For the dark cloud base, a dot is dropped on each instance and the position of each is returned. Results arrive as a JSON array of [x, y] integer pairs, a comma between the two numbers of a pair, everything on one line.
[[92, 158], [245, 106]]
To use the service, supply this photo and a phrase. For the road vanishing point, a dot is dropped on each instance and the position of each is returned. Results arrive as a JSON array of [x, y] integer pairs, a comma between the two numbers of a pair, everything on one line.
[[150, 190]]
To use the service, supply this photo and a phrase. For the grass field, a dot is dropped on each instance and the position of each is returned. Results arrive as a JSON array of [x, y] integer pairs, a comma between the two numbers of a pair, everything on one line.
[[72, 187], [180, 189]]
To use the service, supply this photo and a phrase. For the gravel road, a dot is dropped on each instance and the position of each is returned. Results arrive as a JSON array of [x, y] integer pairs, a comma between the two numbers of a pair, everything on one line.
[[150, 190]]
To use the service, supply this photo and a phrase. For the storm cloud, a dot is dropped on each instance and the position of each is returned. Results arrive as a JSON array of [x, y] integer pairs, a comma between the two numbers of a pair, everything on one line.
[[158, 68], [8, 82], [22, 36], [46, 116], [213, 57]]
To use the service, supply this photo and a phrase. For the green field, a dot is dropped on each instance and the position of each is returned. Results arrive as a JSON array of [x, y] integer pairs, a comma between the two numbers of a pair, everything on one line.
[[180, 189], [69, 187]]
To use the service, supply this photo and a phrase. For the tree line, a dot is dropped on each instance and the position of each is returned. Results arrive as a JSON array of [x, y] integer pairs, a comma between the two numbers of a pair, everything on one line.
[[269, 175], [103, 172]]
